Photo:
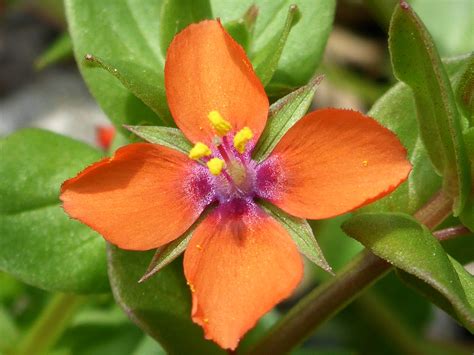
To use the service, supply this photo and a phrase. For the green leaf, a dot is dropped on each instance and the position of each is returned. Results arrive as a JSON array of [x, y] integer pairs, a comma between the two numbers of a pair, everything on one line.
[[126, 31], [160, 306], [416, 62], [127, 35], [60, 50], [465, 91], [451, 37], [302, 235], [265, 61], [408, 245], [283, 115], [40, 244], [169, 137], [439, 298], [141, 81], [178, 14], [305, 45], [396, 110], [242, 29], [101, 329]]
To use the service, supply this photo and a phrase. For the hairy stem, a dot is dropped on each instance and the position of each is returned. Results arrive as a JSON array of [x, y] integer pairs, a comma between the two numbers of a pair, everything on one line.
[[328, 298], [50, 325]]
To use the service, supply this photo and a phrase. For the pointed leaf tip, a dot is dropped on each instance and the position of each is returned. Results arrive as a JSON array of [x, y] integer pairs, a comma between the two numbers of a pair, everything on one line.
[[302, 234], [404, 5]]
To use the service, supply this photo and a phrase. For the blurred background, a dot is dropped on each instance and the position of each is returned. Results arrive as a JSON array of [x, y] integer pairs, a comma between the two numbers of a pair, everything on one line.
[[40, 86]]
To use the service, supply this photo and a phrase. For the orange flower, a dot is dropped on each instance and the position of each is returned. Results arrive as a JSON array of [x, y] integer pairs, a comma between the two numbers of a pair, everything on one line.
[[240, 262]]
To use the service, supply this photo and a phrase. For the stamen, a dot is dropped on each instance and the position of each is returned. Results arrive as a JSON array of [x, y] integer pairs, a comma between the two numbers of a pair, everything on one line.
[[220, 125], [199, 151], [215, 166], [242, 138]]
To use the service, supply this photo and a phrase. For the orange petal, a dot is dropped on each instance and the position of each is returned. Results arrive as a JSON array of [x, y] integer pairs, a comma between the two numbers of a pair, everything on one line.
[[239, 264], [143, 197], [331, 162], [207, 70]]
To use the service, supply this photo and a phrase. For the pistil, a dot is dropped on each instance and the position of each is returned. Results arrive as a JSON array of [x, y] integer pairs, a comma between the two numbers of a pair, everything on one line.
[[227, 157]]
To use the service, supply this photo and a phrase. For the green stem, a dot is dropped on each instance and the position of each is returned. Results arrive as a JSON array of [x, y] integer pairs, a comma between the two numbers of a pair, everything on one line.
[[328, 298], [451, 233], [50, 325]]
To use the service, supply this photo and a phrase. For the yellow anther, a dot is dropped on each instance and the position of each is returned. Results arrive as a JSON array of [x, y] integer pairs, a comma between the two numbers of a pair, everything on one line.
[[220, 125], [215, 166], [199, 150], [206, 320], [198, 246], [241, 139], [365, 163]]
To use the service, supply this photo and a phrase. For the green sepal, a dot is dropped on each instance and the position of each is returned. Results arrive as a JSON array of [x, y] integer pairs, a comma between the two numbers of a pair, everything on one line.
[[142, 81], [169, 252], [166, 136], [301, 233], [283, 115]]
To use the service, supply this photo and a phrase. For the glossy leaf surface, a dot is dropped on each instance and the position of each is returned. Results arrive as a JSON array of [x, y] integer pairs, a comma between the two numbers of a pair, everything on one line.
[[39, 243]]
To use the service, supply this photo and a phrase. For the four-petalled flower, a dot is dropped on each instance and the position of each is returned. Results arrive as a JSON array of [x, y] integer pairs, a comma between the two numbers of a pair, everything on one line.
[[240, 261]]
